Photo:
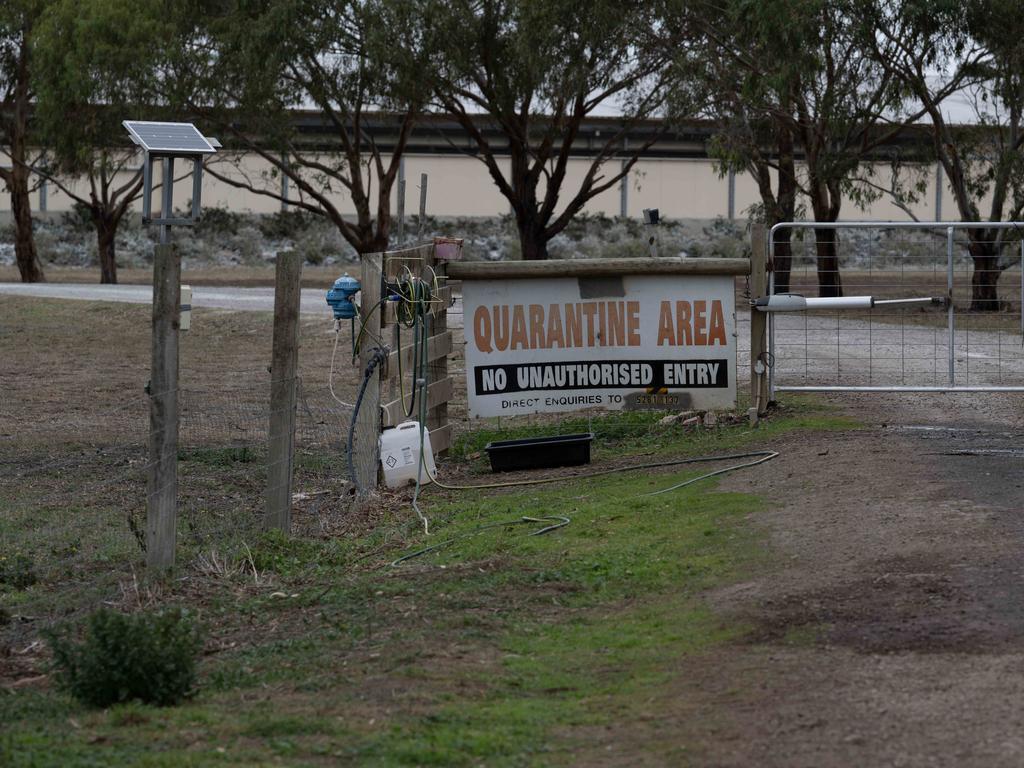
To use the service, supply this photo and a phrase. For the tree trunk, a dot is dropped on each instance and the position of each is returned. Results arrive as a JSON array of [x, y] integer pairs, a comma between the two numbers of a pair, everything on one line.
[[984, 277], [375, 241], [532, 242], [786, 208], [826, 243], [107, 252], [782, 259], [24, 242]]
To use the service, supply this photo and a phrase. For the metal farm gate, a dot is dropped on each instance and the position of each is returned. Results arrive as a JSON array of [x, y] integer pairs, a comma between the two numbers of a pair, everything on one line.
[[962, 341]]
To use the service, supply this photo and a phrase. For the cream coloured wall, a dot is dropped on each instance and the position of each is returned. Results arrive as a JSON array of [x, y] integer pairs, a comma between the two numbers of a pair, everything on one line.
[[250, 168], [884, 209], [457, 185], [747, 194], [606, 203], [680, 189], [460, 185]]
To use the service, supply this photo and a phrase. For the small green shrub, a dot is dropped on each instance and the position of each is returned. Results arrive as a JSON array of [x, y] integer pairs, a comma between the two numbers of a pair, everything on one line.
[[219, 457], [79, 218], [216, 221], [149, 657], [17, 570], [286, 224]]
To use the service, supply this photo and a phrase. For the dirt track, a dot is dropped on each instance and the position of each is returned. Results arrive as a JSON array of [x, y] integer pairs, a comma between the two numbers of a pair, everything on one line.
[[888, 626]]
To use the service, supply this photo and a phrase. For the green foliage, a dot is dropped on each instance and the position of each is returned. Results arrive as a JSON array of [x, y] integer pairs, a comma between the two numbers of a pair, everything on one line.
[[290, 557], [539, 68], [286, 225], [219, 221], [501, 658], [17, 570], [628, 428], [147, 656], [79, 218], [95, 61], [218, 457], [343, 58]]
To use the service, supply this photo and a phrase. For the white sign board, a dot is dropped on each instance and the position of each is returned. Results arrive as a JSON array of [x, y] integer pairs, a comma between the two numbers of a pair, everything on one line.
[[566, 343]]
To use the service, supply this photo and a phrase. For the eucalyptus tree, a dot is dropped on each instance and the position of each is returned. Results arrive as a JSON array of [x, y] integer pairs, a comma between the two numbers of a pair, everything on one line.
[[751, 107], [96, 63], [975, 48], [521, 77], [796, 78], [251, 66], [18, 21]]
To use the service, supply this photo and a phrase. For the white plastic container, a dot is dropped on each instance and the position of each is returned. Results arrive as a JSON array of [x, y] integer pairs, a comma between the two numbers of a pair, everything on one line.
[[400, 455]]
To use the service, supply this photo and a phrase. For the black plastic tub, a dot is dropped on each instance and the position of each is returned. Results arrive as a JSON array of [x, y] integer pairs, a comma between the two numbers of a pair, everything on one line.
[[540, 452]]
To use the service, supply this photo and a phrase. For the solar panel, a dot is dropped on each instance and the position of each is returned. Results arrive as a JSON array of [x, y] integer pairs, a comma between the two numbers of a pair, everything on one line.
[[169, 138]]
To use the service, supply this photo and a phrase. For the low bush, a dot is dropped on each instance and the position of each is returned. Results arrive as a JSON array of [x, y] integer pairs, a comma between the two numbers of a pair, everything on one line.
[[17, 570], [148, 656]]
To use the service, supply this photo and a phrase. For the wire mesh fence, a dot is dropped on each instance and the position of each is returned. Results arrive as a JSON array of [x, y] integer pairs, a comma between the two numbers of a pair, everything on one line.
[[969, 338], [73, 492]]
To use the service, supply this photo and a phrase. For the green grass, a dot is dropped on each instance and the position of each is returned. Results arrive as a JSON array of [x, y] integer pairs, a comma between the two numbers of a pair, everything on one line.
[[219, 457], [497, 649], [612, 428]]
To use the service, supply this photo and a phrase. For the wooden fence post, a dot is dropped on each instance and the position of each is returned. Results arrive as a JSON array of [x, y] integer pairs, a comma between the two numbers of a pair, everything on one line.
[[162, 482], [758, 323], [366, 448], [283, 385]]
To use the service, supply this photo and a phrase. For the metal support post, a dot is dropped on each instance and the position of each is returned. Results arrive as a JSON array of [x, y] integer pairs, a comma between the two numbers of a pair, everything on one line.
[[168, 199], [423, 207], [758, 322], [197, 187], [401, 211], [950, 310]]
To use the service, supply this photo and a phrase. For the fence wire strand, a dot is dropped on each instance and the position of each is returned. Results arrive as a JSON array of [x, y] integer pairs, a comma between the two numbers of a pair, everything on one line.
[[904, 346]]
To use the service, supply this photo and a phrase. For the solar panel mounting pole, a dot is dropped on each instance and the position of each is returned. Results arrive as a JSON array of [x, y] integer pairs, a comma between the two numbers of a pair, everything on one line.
[[165, 142], [168, 200]]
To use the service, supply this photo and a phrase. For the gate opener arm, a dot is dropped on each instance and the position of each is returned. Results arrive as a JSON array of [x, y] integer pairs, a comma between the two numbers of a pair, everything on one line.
[[794, 302]]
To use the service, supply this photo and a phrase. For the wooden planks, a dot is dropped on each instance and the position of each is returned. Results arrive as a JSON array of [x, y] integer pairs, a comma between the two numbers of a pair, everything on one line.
[[421, 263], [438, 393], [438, 346], [478, 270]]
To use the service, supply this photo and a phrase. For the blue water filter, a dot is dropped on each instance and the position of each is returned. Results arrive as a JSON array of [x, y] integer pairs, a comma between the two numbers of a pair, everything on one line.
[[340, 297]]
